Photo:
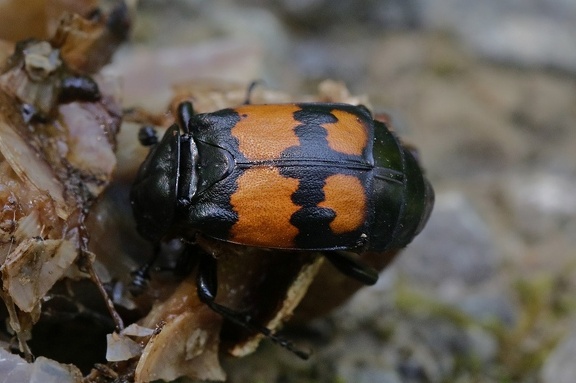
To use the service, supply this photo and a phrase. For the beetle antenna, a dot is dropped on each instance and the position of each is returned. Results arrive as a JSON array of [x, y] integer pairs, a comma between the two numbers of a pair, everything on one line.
[[251, 87]]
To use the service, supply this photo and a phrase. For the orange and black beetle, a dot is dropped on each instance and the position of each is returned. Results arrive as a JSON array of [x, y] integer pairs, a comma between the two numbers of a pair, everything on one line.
[[308, 176]]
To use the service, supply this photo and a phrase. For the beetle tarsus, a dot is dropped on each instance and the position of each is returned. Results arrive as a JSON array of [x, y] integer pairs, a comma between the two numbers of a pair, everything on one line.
[[141, 276], [140, 279], [147, 136]]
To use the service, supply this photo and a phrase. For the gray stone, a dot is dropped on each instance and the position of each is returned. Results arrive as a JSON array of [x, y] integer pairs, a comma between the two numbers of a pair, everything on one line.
[[528, 33], [455, 245], [540, 203], [483, 345], [488, 305], [359, 374], [560, 367]]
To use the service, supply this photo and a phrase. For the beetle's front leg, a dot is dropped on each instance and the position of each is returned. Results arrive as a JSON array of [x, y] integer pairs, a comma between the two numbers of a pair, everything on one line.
[[141, 276], [147, 136], [207, 280]]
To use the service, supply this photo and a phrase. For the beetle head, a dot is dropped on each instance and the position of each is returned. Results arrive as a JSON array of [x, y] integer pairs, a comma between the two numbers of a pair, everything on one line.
[[154, 192]]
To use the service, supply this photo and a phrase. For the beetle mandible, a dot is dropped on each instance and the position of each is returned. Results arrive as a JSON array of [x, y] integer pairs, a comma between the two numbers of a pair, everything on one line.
[[303, 176]]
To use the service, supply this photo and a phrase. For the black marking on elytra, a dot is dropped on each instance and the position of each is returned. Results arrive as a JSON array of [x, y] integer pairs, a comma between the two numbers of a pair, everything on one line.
[[311, 162], [312, 221]]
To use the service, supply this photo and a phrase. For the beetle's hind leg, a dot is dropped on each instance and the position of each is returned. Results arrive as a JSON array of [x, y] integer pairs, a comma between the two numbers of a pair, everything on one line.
[[348, 264], [207, 286]]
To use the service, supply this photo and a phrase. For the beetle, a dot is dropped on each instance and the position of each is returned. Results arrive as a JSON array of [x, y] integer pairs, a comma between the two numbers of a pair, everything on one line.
[[305, 176]]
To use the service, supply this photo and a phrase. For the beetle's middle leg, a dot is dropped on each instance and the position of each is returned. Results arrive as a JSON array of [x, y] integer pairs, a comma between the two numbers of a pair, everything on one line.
[[348, 264], [207, 286]]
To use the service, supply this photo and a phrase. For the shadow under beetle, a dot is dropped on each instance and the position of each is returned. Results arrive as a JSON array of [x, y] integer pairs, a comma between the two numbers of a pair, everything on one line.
[[311, 176]]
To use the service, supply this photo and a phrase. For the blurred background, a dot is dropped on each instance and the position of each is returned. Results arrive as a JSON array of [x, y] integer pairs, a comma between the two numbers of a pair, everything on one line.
[[487, 92]]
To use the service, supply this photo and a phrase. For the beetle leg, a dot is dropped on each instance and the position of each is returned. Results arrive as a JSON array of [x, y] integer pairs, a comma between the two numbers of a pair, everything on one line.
[[207, 280], [207, 286], [78, 88], [352, 267], [187, 261], [147, 136], [141, 276]]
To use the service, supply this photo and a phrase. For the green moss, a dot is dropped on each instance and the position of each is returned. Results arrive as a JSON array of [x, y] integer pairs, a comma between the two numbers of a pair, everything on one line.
[[522, 347], [412, 302]]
